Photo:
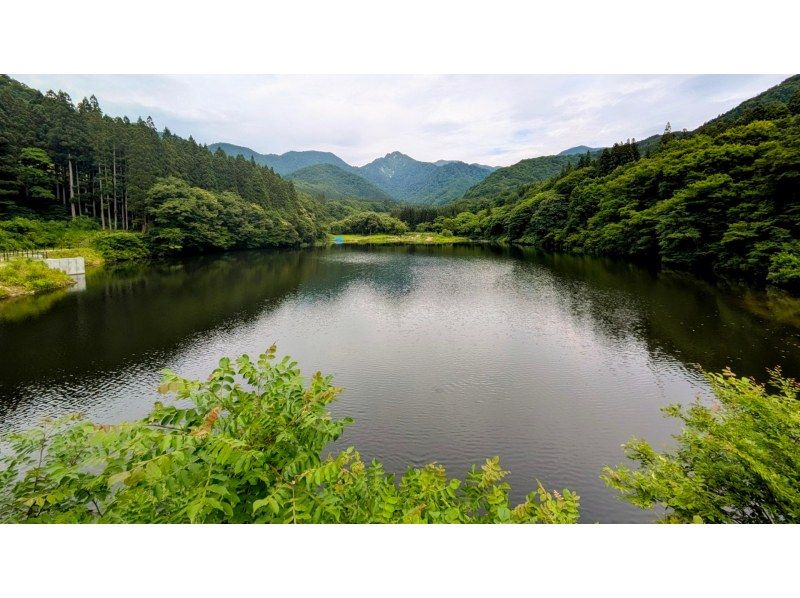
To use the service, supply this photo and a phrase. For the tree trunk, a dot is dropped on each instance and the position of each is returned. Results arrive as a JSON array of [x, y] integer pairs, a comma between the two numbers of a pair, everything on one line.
[[78, 188], [115, 186], [102, 213], [71, 188]]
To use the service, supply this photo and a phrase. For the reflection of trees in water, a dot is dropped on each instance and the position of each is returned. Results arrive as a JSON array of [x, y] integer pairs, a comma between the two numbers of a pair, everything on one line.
[[386, 271], [136, 309], [22, 308], [673, 313]]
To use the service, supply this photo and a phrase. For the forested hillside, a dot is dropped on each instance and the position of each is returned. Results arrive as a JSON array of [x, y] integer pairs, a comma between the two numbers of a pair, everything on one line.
[[396, 175], [59, 160], [723, 200], [507, 181], [769, 104], [523, 172], [418, 182], [326, 181]]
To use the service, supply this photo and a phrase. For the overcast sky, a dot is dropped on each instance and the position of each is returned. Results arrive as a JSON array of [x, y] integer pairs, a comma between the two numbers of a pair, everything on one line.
[[492, 119]]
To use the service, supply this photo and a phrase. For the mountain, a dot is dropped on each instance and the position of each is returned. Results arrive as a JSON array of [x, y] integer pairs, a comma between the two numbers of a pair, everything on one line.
[[422, 182], [770, 104], [450, 181], [443, 162], [331, 182], [524, 172], [578, 150], [286, 163], [397, 175]]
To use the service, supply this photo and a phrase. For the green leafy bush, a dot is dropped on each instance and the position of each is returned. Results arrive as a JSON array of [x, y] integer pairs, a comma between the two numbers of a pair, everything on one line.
[[737, 460], [121, 246], [369, 223], [784, 269], [245, 445]]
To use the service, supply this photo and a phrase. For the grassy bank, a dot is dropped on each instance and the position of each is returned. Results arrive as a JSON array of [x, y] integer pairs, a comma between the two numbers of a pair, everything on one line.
[[27, 276], [402, 239]]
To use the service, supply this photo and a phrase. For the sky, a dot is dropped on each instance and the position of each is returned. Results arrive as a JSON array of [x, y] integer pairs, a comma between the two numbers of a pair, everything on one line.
[[489, 119]]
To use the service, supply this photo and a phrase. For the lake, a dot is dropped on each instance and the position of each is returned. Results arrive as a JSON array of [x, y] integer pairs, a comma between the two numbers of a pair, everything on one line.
[[451, 354]]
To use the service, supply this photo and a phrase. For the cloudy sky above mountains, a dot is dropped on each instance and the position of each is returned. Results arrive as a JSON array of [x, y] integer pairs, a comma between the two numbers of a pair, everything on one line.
[[491, 119]]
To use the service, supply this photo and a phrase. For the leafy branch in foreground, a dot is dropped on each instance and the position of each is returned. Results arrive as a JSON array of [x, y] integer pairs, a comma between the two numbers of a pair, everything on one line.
[[737, 461], [244, 446]]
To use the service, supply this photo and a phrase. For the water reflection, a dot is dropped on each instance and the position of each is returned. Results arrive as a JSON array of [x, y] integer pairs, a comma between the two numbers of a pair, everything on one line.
[[452, 354]]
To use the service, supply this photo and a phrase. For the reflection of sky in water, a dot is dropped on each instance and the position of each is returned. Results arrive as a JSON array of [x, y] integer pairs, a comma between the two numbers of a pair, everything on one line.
[[444, 354]]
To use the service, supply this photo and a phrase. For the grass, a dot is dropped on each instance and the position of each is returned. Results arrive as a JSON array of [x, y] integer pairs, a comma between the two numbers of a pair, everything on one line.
[[90, 256], [404, 239], [26, 276]]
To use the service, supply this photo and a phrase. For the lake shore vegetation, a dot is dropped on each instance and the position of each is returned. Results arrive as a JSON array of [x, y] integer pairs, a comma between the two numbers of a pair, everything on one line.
[[25, 276]]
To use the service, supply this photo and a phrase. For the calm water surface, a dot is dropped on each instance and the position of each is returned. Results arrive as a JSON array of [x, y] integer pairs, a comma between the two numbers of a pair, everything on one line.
[[447, 354]]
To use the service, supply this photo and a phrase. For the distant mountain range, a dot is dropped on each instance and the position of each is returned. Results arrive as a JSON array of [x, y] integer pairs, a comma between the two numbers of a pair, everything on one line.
[[402, 178], [579, 150], [395, 175], [286, 163]]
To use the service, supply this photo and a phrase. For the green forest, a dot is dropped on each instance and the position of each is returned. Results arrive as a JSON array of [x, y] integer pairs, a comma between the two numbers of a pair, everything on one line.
[[62, 161]]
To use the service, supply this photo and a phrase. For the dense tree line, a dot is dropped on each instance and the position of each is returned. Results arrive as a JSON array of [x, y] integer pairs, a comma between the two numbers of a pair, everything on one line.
[[58, 159], [722, 200], [368, 223]]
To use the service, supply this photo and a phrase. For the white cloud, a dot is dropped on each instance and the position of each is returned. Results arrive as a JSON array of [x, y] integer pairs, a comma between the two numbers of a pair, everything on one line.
[[491, 119]]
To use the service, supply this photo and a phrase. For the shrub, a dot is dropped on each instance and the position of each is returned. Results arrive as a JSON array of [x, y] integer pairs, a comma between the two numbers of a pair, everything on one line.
[[245, 445], [25, 276], [784, 269], [165, 241], [737, 460], [24, 233], [446, 232], [369, 223], [121, 246]]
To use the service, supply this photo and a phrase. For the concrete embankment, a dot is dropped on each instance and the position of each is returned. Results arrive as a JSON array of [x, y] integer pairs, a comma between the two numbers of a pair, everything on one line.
[[69, 265]]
